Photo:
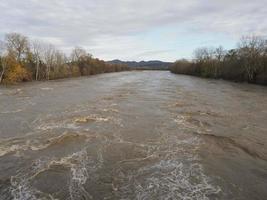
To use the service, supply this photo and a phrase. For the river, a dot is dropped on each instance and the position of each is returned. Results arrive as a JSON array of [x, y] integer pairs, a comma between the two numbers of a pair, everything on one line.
[[133, 135]]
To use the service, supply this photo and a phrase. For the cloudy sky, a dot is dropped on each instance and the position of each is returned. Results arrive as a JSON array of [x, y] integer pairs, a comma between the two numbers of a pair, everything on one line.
[[135, 29]]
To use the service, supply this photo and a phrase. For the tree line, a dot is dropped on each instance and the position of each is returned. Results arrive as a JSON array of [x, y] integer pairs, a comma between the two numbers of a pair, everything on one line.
[[246, 63], [22, 59]]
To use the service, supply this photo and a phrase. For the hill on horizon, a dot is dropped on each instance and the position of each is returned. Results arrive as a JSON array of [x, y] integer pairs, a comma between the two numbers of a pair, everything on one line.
[[152, 64]]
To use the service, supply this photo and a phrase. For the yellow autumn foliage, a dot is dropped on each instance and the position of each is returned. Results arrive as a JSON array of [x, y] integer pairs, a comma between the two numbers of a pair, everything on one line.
[[15, 72]]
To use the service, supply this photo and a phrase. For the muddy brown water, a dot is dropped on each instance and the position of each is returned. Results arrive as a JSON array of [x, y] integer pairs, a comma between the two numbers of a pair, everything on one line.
[[133, 135]]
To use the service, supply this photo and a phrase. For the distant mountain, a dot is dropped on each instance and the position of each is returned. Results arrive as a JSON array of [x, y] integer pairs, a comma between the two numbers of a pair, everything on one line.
[[153, 64]]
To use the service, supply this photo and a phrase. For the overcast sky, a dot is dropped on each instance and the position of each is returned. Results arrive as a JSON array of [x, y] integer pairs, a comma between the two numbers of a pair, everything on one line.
[[135, 29]]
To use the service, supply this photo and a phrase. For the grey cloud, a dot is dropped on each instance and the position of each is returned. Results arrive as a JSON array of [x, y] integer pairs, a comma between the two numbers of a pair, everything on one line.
[[146, 54], [86, 22]]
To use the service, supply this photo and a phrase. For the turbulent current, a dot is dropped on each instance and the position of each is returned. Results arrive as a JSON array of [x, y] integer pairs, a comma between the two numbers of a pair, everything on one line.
[[133, 135]]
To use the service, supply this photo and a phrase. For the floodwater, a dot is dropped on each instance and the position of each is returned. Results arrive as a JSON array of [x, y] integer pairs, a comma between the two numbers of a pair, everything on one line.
[[133, 135]]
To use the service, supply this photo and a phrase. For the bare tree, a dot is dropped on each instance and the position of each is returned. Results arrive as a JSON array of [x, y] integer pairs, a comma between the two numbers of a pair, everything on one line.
[[80, 57], [77, 54], [203, 54], [220, 53], [59, 64], [251, 48], [17, 45], [49, 57], [37, 50], [3, 60]]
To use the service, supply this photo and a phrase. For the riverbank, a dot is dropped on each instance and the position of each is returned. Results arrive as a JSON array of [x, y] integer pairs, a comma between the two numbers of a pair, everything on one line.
[[22, 60], [223, 71], [10, 84], [246, 63]]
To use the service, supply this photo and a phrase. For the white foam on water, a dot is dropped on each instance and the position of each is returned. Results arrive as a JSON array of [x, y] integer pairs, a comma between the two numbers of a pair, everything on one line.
[[94, 118], [79, 176], [184, 123], [169, 179], [82, 168], [180, 119], [98, 119], [19, 145], [178, 174], [4, 150], [47, 88], [21, 190], [20, 184], [7, 148], [59, 125], [110, 110], [11, 111]]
